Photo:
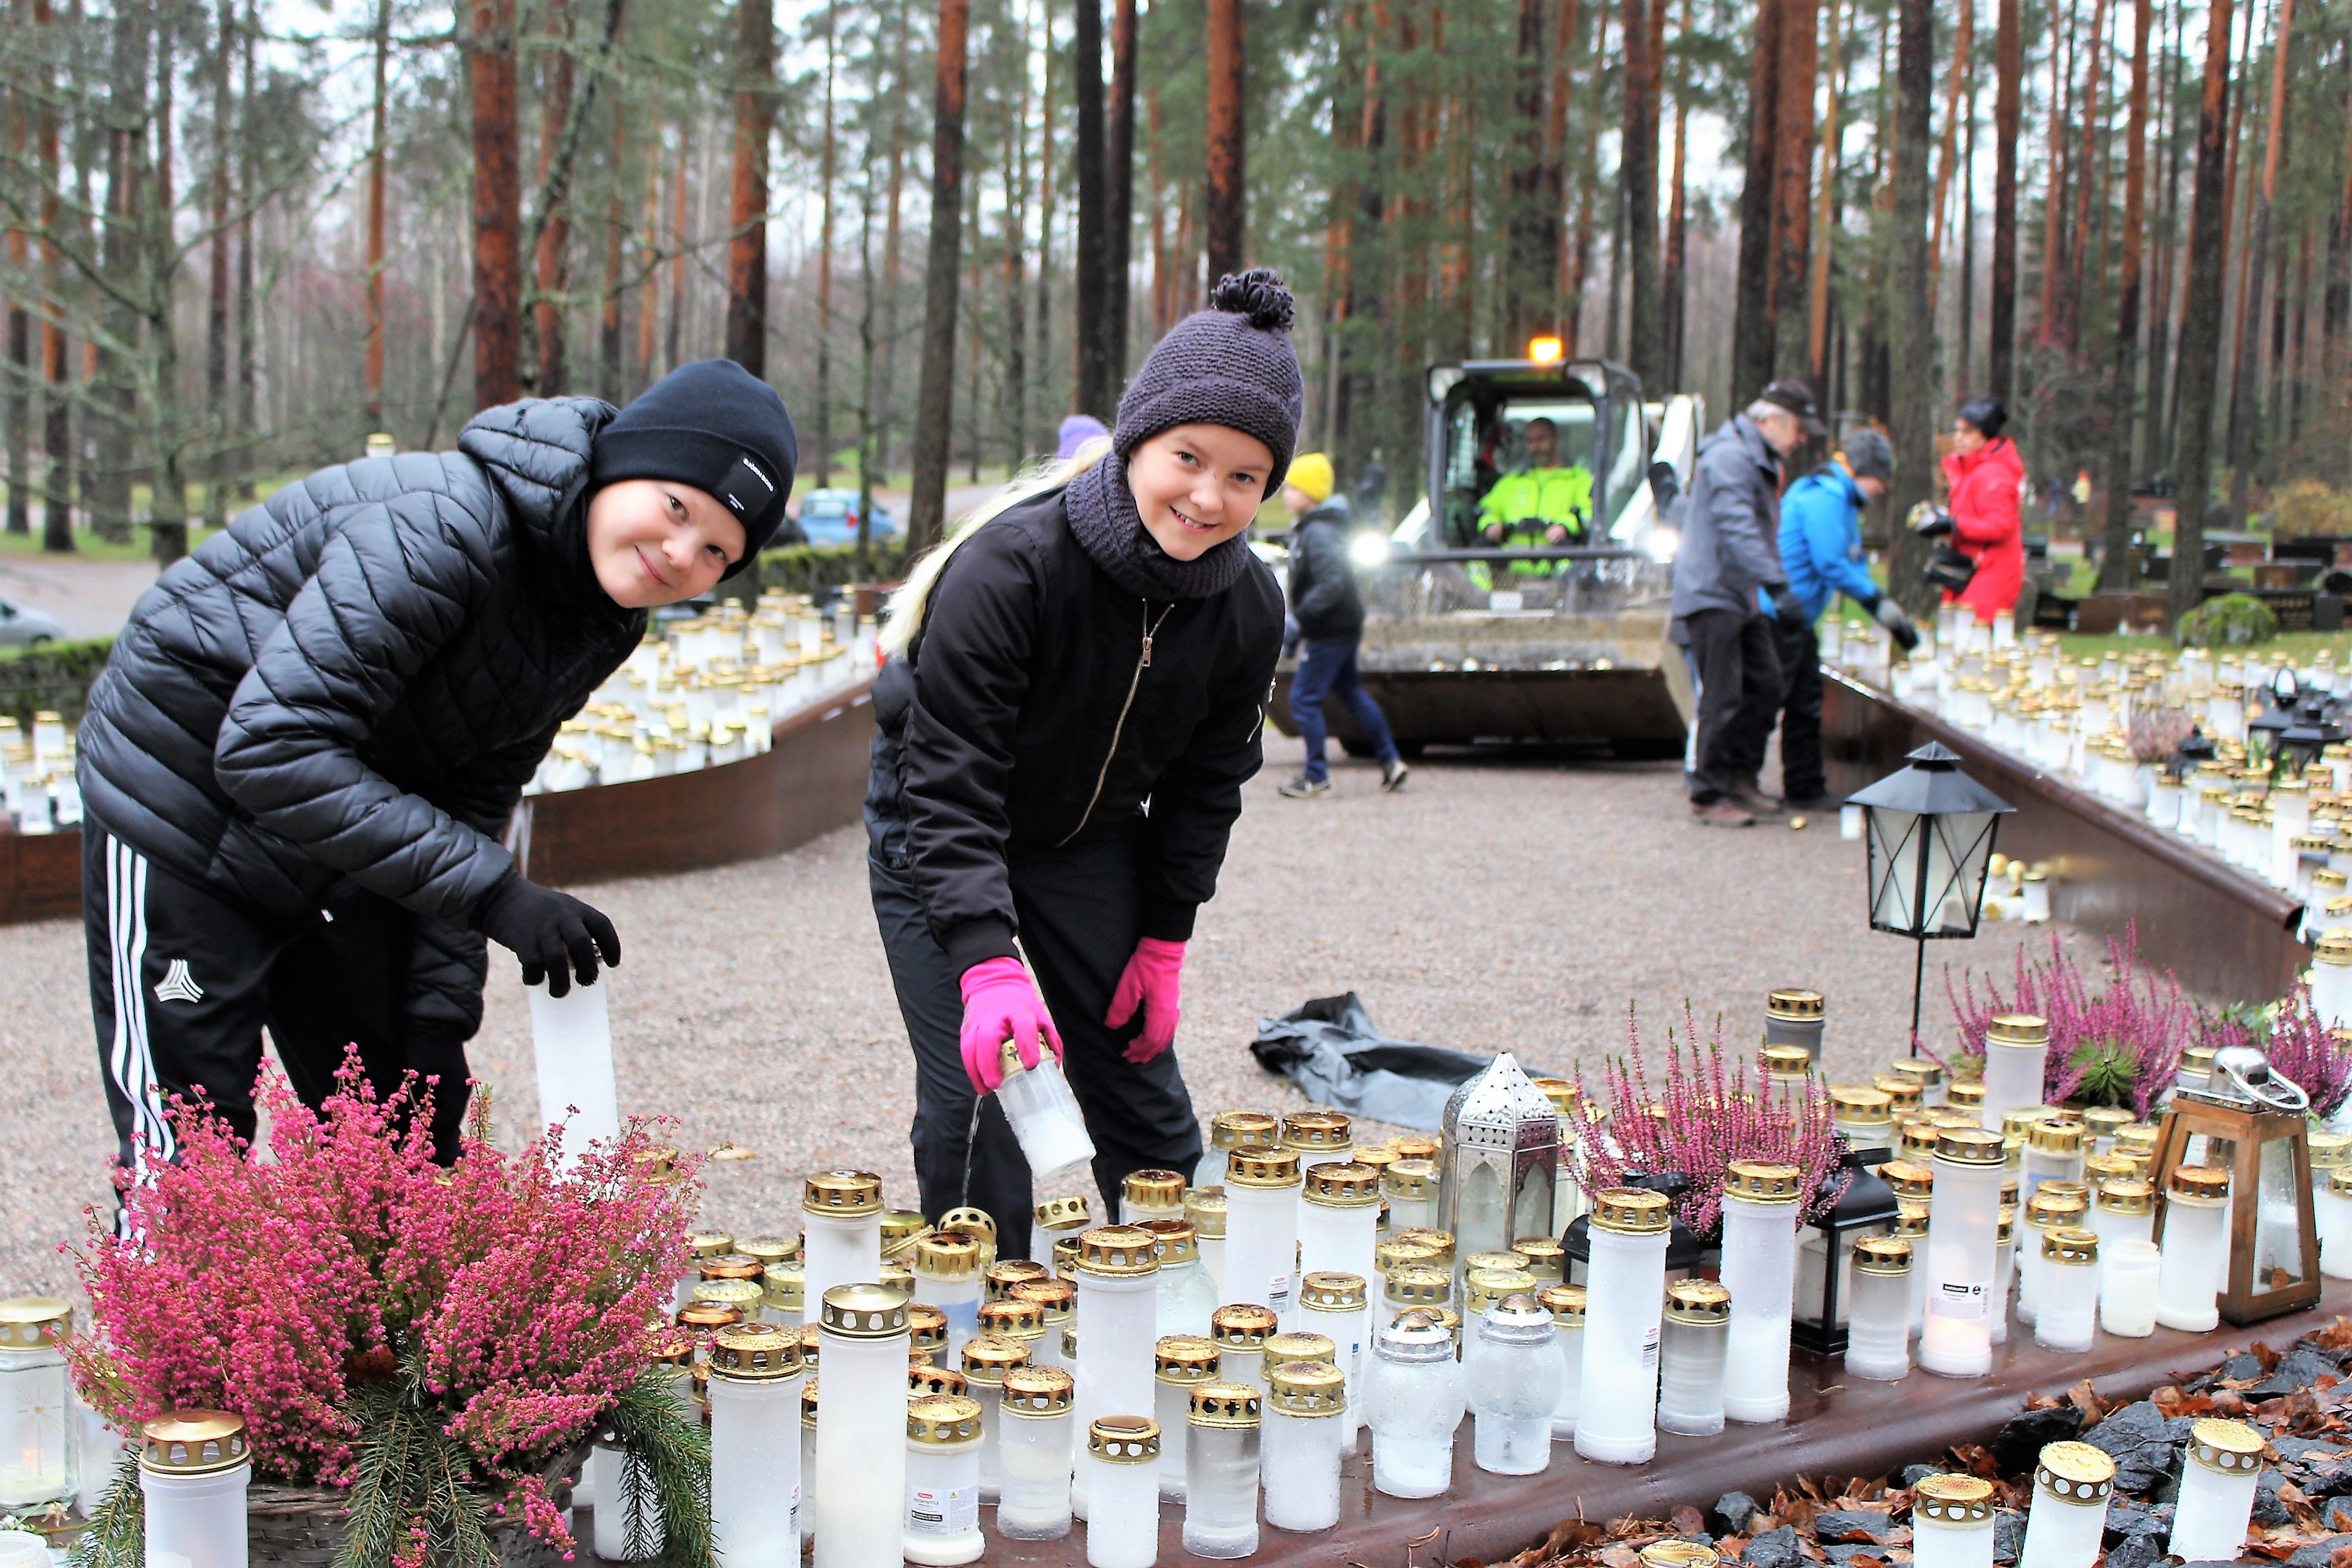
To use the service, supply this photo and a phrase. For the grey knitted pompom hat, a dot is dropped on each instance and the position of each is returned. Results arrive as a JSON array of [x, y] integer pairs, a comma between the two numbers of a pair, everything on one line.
[[1230, 364]]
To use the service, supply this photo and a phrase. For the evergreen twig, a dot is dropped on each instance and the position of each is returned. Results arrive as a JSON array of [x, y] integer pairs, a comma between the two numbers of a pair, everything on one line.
[[672, 1456], [117, 1536]]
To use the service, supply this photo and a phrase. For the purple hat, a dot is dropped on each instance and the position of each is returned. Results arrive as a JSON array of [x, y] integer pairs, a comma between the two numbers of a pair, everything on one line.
[[1077, 431]]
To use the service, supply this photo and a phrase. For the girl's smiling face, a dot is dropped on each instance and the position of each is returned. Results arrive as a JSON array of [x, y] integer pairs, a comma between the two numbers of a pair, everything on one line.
[[654, 541], [1197, 486]]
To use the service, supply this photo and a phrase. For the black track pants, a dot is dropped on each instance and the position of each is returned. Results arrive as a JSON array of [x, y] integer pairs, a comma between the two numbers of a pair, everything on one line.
[[182, 981], [1738, 668], [1803, 777], [1078, 914]]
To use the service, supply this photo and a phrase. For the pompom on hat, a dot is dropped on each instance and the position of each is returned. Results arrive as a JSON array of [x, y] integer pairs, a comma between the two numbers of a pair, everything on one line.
[[1230, 364]]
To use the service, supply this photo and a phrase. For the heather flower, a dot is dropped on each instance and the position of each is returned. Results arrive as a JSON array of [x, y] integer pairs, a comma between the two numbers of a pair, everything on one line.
[[1701, 1118], [2120, 1046]]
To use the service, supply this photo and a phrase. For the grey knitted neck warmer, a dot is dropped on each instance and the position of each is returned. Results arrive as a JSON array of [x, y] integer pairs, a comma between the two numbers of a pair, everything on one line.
[[1102, 513]]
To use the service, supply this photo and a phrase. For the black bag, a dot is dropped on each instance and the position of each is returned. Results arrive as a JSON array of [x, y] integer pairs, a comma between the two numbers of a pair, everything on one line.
[[1329, 1047], [1948, 570]]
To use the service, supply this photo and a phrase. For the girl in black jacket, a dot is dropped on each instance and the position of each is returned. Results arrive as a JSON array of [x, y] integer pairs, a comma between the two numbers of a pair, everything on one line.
[[1081, 677], [298, 760]]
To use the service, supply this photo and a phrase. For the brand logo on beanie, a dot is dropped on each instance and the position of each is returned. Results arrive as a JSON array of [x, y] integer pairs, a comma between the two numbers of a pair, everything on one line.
[[746, 490]]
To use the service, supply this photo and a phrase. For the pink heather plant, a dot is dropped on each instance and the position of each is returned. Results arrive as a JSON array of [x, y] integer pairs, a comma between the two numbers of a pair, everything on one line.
[[1711, 1118], [2120, 1047], [2298, 1044], [278, 1287]]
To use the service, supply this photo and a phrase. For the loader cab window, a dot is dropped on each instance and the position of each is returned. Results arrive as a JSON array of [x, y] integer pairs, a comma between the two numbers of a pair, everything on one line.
[[1488, 440]]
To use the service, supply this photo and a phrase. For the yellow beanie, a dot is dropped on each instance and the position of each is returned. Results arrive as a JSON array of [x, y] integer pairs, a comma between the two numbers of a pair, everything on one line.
[[1311, 472]]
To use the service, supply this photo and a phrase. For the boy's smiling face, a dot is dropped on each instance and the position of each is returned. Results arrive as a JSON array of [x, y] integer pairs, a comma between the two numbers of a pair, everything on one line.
[[1197, 486], [655, 541]]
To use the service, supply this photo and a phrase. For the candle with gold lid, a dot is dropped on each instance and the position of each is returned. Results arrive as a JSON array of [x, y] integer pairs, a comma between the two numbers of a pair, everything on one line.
[[941, 1516], [1233, 1130], [1862, 1116], [861, 1451], [1117, 1286], [1787, 1066], [1317, 1136], [999, 1277], [1905, 1097], [1924, 1074], [700, 1243], [1418, 1146], [2070, 1279], [1410, 1285], [1185, 1293], [1240, 1331], [976, 1223], [1566, 1304], [2056, 1206], [1033, 1444], [1915, 1139], [1151, 1195], [2072, 1484], [1910, 1178], [841, 1244], [947, 1275], [2124, 1210], [1625, 1297], [1058, 1301], [1878, 1333], [2054, 1152], [706, 1317], [1262, 1188], [1482, 1288], [2218, 1482], [2138, 1139], [1339, 1209], [1543, 1256], [193, 1470], [2017, 1048], [2195, 1240], [2103, 1121], [1443, 1240], [1306, 1433], [1205, 1208], [1795, 1016], [1691, 1349], [1966, 1094], [1180, 1363], [2099, 1168], [927, 1330], [986, 1360], [901, 1229], [923, 1377], [1957, 1301], [755, 1445], [1568, 1199], [1221, 1469], [1337, 1307], [1952, 1523]]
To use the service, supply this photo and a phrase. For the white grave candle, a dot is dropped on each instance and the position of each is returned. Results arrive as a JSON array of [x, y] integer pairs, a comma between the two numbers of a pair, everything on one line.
[[1262, 1188], [861, 1436], [843, 1242], [1180, 1363], [2069, 1515], [1221, 1470], [1956, 1338], [1122, 1458], [1034, 1495], [1759, 1269], [1625, 1299], [2128, 1272], [193, 1470], [2217, 1491], [1951, 1522], [1306, 1433], [572, 1044], [2196, 1247], [755, 1448], [1566, 1303], [940, 1522]]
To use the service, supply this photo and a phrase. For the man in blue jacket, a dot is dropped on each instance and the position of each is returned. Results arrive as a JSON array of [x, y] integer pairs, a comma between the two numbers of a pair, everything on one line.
[[1820, 549]]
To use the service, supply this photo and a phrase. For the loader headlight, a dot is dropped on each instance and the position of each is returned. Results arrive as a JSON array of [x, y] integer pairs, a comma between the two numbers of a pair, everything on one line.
[[1662, 544], [1369, 549]]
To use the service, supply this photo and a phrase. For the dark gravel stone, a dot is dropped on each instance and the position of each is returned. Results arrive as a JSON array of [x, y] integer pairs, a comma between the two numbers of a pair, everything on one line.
[[1775, 1548], [2294, 1450], [1841, 1555], [2243, 1365], [2335, 1513], [2318, 1552], [2127, 1518], [2136, 1439], [2136, 1551], [2008, 1534], [2021, 1438], [1914, 1474], [2298, 1368], [1732, 1511], [1843, 1525]]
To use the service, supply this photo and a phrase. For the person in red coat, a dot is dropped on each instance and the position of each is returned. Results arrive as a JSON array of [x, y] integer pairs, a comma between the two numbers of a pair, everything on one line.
[[1986, 477]]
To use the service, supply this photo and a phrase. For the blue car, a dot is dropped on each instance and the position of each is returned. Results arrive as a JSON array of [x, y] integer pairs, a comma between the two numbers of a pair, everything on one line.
[[830, 518]]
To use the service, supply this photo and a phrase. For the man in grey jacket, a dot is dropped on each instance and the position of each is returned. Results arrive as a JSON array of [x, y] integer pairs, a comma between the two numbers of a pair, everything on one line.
[[1729, 561]]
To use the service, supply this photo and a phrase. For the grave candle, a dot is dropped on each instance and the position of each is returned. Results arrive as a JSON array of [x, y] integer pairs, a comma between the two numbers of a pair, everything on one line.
[[2217, 1491], [1240, 1333], [842, 1245], [1335, 1305], [2196, 1248], [2017, 1046], [1117, 1287], [1566, 1304], [2128, 1275], [1625, 1297], [1878, 1335], [1034, 1485], [2125, 1210], [1691, 1350], [1416, 1397], [1339, 1211], [193, 1470], [1759, 1269], [1123, 1474], [1411, 1188], [1951, 1522], [1954, 1337], [1221, 1470], [2054, 1152], [1262, 1205], [2069, 1514], [947, 1275], [39, 1427], [1044, 1113], [2053, 1207], [755, 1447], [1230, 1131], [986, 1360], [1151, 1195], [1512, 1386], [998, 1279], [2070, 1278], [1306, 1431], [1180, 1363], [1184, 1294], [1205, 1208], [1862, 1116], [861, 1438], [1057, 1299], [571, 1047], [940, 1517]]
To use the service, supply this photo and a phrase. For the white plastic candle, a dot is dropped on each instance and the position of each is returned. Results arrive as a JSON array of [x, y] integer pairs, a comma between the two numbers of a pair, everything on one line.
[[1221, 1470], [1759, 1269], [986, 1360], [1862, 1116], [947, 1276], [1691, 1348], [2069, 1276], [1334, 1305], [572, 1045], [1414, 1388], [1240, 1331], [2004, 1272], [2128, 1274], [1044, 1113], [1512, 1386], [1122, 1460], [1184, 1292], [755, 1445], [1625, 1301], [1340, 1209], [2124, 1210], [1181, 1363], [40, 1426], [2054, 1208], [1566, 1304], [1306, 1433], [1151, 1195], [2217, 1491], [2331, 980], [860, 1486], [939, 1523], [193, 1470], [1411, 1188], [1954, 1337], [1058, 1300], [2017, 1048], [842, 1241], [1878, 1338], [1205, 1208], [1951, 1522], [101, 1453], [2054, 1152], [2332, 1210], [1229, 1131], [2069, 1515], [1118, 1283], [2196, 1247], [1262, 1205], [1033, 1449]]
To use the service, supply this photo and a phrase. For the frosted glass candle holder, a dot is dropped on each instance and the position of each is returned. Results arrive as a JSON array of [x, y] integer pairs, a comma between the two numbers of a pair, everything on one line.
[[2223, 1469], [755, 1445], [1416, 1397], [193, 1470], [1122, 1460], [1760, 1268], [2068, 1516], [1044, 1113], [1878, 1338], [1566, 1304], [1221, 1470], [40, 1425], [1625, 1301], [2070, 1278], [1513, 1388], [2196, 1248], [1691, 1348], [841, 1242], [2017, 1049], [1337, 1214], [1411, 1188], [1305, 1434], [2128, 1272], [571, 1046], [1952, 1523], [1262, 1204], [1956, 1329], [1181, 1363], [1033, 1455]]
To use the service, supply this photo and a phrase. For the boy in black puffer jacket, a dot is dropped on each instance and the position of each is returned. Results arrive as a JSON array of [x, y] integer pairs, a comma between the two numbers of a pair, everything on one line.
[[1327, 614], [297, 763]]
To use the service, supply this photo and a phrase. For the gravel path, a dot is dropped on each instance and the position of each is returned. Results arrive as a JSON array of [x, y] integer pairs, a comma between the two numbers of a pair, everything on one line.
[[1513, 904]]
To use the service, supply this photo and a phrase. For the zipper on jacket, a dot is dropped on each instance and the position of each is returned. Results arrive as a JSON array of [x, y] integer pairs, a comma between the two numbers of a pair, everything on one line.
[[1142, 662]]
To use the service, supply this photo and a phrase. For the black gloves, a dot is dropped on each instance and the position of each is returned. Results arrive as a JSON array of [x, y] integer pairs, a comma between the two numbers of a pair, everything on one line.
[[554, 935], [1934, 525], [1787, 605], [1890, 615]]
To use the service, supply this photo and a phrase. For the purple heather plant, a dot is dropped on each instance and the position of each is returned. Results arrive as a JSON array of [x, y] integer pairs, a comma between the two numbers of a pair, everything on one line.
[[1700, 1120], [2291, 1033], [2155, 734], [2119, 1047]]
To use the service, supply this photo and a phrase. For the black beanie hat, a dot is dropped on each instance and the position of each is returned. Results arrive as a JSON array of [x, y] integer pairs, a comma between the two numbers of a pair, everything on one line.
[[1987, 415], [1230, 364], [714, 425]]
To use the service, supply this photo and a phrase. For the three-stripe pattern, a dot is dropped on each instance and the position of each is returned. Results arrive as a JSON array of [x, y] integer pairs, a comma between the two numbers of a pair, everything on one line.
[[131, 1059]]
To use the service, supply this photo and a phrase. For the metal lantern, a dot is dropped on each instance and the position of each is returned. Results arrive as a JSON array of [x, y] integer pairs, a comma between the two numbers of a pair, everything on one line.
[[1931, 831], [1825, 1254], [1502, 1157], [2253, 1119]]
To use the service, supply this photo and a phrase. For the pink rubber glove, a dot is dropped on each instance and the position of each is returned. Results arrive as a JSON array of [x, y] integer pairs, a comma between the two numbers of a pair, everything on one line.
[[1001, 1003], [1153, 982]]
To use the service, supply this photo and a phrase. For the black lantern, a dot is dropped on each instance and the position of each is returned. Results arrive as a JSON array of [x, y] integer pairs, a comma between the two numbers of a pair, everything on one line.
[[1825, 1251], [1931, 831], [2314, 729]]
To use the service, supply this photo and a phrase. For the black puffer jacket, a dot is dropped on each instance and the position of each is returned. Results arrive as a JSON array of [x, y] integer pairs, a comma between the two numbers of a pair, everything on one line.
[[1044, 704], [354, 681], [1323, 590]]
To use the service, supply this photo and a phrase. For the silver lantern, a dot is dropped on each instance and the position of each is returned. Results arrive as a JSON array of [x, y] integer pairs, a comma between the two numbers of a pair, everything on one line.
[[1502, 1153]]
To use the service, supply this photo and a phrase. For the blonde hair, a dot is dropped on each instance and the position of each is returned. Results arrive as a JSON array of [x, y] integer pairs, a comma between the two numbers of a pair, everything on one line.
[[907, 605]]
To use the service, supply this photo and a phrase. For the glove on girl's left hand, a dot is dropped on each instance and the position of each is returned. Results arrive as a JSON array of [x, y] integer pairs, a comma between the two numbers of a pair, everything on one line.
[[1153, 982]]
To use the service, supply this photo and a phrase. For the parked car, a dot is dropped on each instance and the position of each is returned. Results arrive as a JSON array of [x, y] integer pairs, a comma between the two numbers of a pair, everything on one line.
[[22, 628], [830, 518]]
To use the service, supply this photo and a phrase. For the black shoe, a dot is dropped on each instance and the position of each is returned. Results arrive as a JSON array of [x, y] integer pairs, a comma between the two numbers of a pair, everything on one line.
[[1815, 804], [1303, 788], [1393, 773]]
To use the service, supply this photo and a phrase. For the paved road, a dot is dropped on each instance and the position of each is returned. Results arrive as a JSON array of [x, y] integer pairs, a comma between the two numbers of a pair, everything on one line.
[[91, 597]]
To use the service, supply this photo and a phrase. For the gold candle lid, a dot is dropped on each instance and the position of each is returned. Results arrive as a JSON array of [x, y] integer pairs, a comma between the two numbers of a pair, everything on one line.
[[1787, 1061], [900, 1229], [923, 1378], [897, 1277], [841, 1193], [1543, 1256], [1565, 1302], [1173, 1242], [1303, 1388], [1153, 1189], [1223, 1405], [2075, 1472], [2017, 1028], [1395, 1253], [1795, 1004], [943, 1420], [1067, 1213], [1969, 1146], [1013, 1319], [2005, 1224], [1918, 1069], [1883, 1255], [1257, 1167], [1761, 1181], [2070, 1246], [708, 1316], [709, 1243], [1117, 1251], [2126, 1195], [1417, 1285], [2199, 1185], [2105, 1119], [2019, 1121], [927, 1326], [191, 1442], [1952, 1501], [2229, 1446], [1124, 1440], [1562, 1093], [1417, 1146], [1908, 1178], [1903, 1095], [1410, 1178], [1477, 1261], [2139, 1137], [1701, 1303], [1038, 1393], [2046, 1209], [2339, 1181], [1330, 1291], [1184, 1358], [1632, 1211], [1965, 1094], [1910, 1216], [1441, 1240], [770, 1249], [1315, 1132], [999, 1277], [2334, 950], [2057, 1137], [2009, 1191], [2198, 1058], [1916, 1139], [1241, 1325], [808, 1403], [976, 1223], [1676, 1553], [1861, 1104], [741, 1294], [1298, 1344], [2097, 1168], [863, 1312], [1482, 1288], [987, 1358], [1231, 1130], [1057, 1297], [753, 1352], [1205, 1208], [35, 1323], [2330, 1150], [812, 1344], [947, 1255], [1337, 1184]]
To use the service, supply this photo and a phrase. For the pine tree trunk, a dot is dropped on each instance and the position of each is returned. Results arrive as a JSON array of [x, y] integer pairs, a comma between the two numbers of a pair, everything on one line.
[[56, 431], [747, 195], [166, 429], [113, 408], [935, 396], [887, 373], [19, 371], [2115, 566], [1751, 327], [1530, 222], [248, 324], [2243, 381], [1118, 192], [674, 329], [549, 270], [1227, 140], [827, 171], [1091, 285], [1671, 284], [1910, 336], [2199, 374], [1559, 295], [2155, 443], [608, 314], [1793, 184], [1012, 172], [1638, 171], [1817, 302], [2008, 114], [498, 206]]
